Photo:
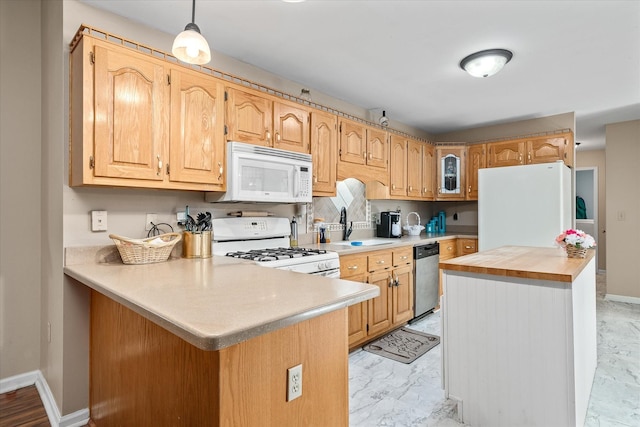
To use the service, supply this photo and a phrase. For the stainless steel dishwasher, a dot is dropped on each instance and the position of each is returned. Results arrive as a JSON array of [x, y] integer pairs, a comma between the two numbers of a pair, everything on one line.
[[425, 278]]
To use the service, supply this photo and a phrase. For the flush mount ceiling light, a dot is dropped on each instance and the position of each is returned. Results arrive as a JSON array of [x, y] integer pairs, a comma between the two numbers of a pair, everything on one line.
[[189, 46], [486, 62]]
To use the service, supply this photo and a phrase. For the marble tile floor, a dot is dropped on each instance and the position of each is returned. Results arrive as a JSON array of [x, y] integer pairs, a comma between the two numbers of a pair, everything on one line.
[[387, 393]]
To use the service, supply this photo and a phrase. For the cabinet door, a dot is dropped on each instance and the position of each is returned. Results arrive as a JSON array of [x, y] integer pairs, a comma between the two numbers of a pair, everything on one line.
[[131, 121], [353, 143], [248, 117], [545, 150], [451, 173], [414, 168], [377, 148], [402, 299], [428, 172], [507, 153], [357, 326], [197, 128], [379, 309], [398, 166], [476, 159], [324, 147], [377, 261], [291, 127]]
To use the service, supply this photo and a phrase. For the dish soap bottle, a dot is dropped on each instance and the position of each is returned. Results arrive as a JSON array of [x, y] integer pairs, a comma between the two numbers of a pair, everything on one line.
[[294, 233]]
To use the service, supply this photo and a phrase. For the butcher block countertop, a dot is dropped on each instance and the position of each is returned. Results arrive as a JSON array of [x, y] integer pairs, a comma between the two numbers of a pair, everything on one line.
[[217, 302], [522, 261]]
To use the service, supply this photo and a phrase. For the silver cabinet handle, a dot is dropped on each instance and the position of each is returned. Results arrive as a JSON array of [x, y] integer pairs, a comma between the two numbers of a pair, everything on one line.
[[352, 267], [380, 262], [159, 165], [220, 169]]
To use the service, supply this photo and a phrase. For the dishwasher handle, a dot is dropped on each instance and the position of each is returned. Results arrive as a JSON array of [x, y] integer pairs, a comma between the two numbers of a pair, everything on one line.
[[423, 251]]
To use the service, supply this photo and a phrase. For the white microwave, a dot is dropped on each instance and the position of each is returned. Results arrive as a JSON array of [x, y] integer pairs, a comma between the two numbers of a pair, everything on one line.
[[263, 174]]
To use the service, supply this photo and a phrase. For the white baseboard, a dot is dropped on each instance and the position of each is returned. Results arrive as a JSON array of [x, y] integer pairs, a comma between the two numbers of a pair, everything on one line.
[[75, 419], [622, 298]]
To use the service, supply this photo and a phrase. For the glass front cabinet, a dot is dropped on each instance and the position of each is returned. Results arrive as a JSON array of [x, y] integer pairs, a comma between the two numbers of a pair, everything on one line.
[[451, 168]]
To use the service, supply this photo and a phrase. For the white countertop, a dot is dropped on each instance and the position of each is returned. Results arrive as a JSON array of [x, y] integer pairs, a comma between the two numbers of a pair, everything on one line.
[[422, 239], [217, 302]]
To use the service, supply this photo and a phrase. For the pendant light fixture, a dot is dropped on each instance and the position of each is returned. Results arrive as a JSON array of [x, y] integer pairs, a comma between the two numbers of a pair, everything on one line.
[[189, 46], [486, 62], [384, 121]]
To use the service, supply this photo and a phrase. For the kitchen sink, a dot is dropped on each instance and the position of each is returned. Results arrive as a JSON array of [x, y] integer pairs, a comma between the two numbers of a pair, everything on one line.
[[370, 242]]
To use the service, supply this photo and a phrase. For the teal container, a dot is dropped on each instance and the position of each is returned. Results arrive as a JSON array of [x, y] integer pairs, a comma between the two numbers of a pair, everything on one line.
[[442, 222]]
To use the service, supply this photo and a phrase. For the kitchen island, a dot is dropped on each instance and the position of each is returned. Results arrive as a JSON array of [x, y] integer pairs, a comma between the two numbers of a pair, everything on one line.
[[209, 341], [519, 336]]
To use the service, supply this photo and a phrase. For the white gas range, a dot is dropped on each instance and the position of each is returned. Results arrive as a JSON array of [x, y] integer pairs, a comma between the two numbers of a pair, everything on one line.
[[265, 240]]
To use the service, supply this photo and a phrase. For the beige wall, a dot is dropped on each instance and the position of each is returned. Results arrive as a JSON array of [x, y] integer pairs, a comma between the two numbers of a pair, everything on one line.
[[509, 130], [623, 208], [20, 228], [596, 158]]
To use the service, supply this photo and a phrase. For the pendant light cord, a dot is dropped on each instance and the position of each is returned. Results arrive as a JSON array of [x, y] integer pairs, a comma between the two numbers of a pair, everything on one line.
[[193, 12]]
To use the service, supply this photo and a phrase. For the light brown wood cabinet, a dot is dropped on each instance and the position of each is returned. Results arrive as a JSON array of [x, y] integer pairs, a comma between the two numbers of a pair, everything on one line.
[[451, 172], [132, 119], [196, 151], [364, 147], [392, 272], [525, 151], [429, 170], [415, 160], [398, 171], [466, 246], [324, 148], [254, 118], [476, 160]]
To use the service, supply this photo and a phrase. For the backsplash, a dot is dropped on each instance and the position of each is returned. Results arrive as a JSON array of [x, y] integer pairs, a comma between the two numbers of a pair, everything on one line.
[[351, 195]]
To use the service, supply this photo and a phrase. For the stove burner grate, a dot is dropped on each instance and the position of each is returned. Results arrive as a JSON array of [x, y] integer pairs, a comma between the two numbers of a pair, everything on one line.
[[274, 254]]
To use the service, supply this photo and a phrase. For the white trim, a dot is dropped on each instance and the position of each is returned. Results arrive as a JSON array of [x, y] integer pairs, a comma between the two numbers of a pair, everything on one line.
[[622, 298], [75, 419], [18, 381]]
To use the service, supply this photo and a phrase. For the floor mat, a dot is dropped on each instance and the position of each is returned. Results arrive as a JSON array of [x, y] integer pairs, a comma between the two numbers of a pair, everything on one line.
[[404, 345]]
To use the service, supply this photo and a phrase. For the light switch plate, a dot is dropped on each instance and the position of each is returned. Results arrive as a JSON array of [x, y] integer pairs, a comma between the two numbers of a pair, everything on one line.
[[98, 220]]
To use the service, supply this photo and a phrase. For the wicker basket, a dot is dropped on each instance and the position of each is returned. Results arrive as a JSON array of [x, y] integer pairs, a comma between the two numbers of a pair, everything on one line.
[[146, 251], [575, 252]]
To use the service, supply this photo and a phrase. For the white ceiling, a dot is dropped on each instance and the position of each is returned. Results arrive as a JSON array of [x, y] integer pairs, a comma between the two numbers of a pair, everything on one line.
[[403, 56]]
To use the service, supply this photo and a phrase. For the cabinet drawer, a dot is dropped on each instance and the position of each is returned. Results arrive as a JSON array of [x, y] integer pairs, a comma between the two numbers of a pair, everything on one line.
[[379, 261], [352, 265], [467, 246], [448, 249], [402, 256]]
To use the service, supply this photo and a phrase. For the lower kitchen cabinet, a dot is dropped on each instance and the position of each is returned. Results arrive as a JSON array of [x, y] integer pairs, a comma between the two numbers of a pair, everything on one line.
[[392, 272]]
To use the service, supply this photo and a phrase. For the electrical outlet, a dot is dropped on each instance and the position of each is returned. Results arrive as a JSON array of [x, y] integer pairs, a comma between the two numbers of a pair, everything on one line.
[[181, 216], [294, 382], [151, 218]]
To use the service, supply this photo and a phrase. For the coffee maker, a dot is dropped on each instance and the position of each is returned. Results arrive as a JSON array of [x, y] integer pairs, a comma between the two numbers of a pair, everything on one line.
[[389, 225]]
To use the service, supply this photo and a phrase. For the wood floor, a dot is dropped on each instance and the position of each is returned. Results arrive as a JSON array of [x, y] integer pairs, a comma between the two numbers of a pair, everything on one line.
[[22, 407]]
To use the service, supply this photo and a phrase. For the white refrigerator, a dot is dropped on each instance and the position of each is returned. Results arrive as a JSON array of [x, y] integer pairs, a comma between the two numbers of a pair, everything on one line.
[[527, 205]]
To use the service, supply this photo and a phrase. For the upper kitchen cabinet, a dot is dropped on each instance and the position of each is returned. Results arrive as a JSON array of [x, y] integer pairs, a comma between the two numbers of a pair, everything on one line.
[[324, 148], [429, 169], [476, 159], [257, 119], [525, 151], [451, 172], [197, 128], [414, 169], [506, 153], [125, 117], [363, 152], [398, 166]]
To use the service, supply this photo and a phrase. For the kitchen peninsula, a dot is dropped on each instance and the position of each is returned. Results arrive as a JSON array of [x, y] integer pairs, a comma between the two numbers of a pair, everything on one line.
[[519, 336], [209, 341]]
